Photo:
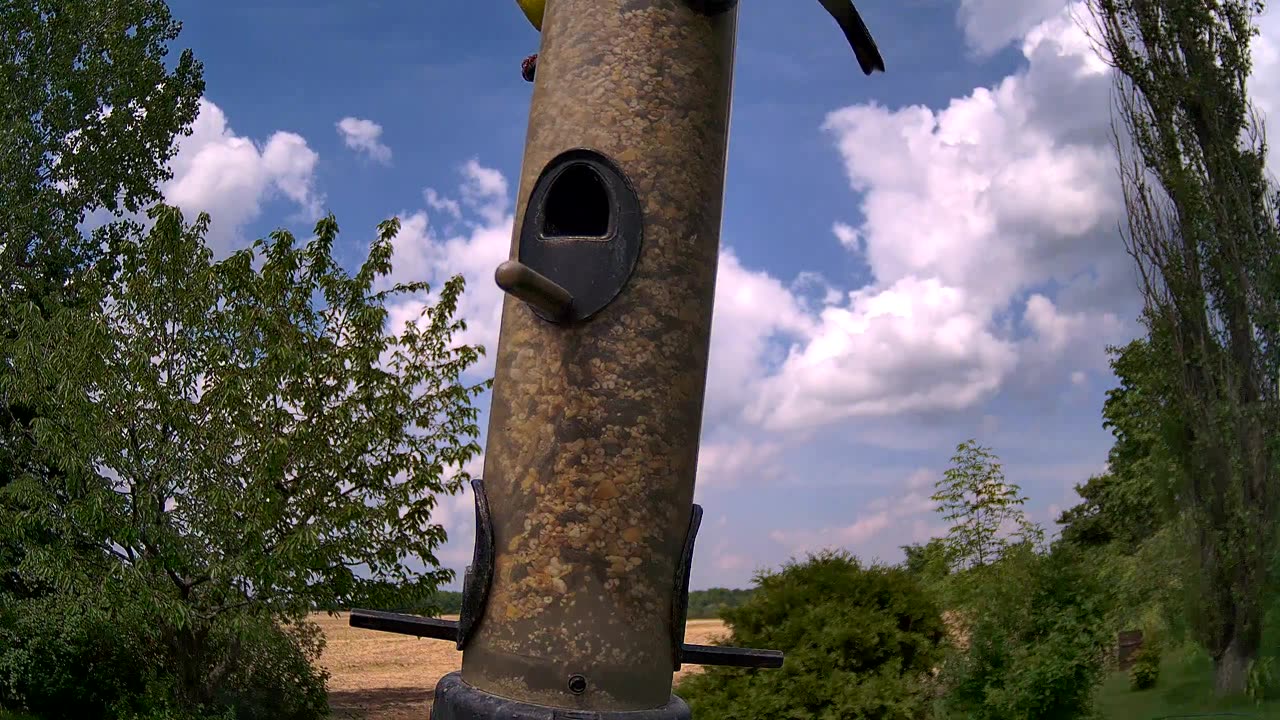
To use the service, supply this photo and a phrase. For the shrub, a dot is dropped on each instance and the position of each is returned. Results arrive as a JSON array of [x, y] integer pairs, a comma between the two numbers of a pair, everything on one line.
[[63, 659], [1036, 640], [1144, 675], [1145, 672], [1262, 683], [859, 643], [275, 675]]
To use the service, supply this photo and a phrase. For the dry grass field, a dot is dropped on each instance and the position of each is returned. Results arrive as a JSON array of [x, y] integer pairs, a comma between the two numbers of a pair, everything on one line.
[[382, 676]]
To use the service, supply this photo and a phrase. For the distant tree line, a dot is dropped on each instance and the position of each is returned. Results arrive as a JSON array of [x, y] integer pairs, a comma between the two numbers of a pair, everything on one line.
[[711, 603]]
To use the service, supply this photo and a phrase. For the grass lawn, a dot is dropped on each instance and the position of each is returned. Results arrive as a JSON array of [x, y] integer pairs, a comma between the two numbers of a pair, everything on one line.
[[1185, 689]]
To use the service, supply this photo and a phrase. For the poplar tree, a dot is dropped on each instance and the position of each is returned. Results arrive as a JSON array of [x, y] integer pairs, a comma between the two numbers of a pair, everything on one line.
[[1201, 225]]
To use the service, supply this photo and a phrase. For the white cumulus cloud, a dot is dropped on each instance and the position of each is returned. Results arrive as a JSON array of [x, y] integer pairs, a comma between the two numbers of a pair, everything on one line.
[[912, 347], [965, 209], [231, 176], [363, 136], [426, 250], [990, 25]]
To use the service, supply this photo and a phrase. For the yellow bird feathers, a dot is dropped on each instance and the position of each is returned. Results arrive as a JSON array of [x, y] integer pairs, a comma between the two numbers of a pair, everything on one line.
[[534, 9]]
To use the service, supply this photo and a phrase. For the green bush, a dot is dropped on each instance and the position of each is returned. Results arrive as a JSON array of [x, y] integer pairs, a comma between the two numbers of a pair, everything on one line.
[[860, 642], [65, 659], [275, 675], [1036, 644], [61, 659], [1144, 675], [1262, 685], [1145, 672]]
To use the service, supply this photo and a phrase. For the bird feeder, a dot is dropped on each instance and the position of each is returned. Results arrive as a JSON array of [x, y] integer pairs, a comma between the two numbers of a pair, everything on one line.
[[574, 605]]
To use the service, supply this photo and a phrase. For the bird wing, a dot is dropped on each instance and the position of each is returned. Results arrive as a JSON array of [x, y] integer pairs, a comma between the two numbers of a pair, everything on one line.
[[534, 10], [864, 47]]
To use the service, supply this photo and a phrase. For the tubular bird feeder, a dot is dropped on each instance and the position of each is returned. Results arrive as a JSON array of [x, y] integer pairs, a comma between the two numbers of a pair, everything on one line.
[[574, 605]]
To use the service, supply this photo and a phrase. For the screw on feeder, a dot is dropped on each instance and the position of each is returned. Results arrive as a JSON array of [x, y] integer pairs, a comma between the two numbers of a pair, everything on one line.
[[577, 684]]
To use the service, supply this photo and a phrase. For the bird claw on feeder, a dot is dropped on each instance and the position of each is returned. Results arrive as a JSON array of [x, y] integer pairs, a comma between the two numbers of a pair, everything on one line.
[[529, 67]]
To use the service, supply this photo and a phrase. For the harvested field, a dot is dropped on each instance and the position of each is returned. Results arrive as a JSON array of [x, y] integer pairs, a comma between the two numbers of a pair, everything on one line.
[[382, 676]]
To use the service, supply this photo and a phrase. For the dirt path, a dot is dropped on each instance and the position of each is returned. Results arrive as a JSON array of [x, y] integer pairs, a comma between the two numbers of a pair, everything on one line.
[[382, 676]]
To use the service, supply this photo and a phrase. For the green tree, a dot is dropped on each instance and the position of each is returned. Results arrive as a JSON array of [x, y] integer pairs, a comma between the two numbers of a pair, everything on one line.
[[974, 496], [929, 562], [1103, 515], [244, 444], [90, 112], [1127, 523], [860, 642], [1035, 639], [1132, 500], [63, 155], [1202, 227], [1029, 623], [713, 602]]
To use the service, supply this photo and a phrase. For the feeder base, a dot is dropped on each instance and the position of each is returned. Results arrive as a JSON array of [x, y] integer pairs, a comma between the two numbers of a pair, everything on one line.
[[456, 700]]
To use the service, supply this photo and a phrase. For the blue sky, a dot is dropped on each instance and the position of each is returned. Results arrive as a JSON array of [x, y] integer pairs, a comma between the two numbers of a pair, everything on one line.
[[908, 260]]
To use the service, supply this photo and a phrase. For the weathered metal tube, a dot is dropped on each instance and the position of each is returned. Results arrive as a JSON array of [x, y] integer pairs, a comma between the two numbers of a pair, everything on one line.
[[593, 432]]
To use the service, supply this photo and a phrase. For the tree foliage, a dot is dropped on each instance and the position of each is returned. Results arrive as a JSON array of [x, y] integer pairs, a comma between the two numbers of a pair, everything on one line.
[[860, 642], [235, 440], [1134, 499], [1036, 637], [930, 562], [714, 602], [1028, 623], [985, 511], [91, 110], [1127, 524], [63, 155], [1202, 227]]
